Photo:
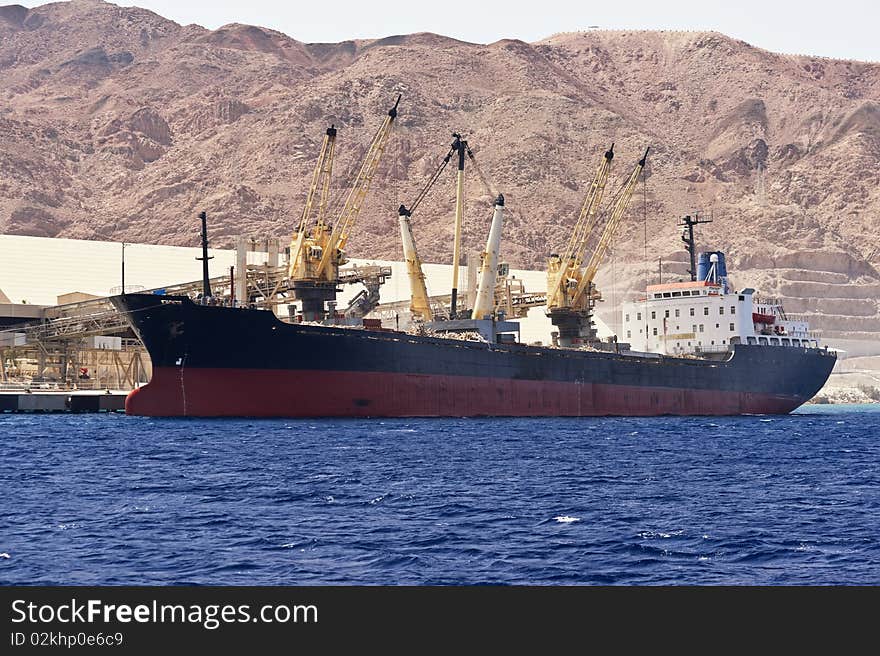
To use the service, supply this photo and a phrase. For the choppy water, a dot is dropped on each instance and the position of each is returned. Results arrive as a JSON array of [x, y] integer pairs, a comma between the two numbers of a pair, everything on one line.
[[749, 500]]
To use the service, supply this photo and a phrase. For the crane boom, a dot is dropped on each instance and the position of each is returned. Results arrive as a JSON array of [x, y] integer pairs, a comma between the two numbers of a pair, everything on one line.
[[560, 267], [355, 200], [420, 306], [321, 177], [617, 211], [485, 302]]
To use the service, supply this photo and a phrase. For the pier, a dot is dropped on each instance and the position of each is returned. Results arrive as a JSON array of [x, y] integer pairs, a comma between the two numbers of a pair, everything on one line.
[[40, 401]]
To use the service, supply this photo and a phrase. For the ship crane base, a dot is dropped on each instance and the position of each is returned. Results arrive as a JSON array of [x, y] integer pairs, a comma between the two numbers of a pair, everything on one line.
[[576, 327]]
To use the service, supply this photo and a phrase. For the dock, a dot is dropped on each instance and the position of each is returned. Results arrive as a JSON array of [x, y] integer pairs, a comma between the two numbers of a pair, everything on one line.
[[40, 401]]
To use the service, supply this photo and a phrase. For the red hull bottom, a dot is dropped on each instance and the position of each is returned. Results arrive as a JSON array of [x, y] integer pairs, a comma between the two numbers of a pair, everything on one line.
[[180, 392]]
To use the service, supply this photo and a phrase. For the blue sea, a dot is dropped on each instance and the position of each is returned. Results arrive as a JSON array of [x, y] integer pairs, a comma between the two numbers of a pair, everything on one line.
[[110, 499]]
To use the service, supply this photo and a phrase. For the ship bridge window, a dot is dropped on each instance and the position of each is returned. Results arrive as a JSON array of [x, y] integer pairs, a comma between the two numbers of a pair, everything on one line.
[[742, 298], [666, 294], [751, 340], [786, 341], [676, 294], [658, 295], [762, 341], [774, 341]]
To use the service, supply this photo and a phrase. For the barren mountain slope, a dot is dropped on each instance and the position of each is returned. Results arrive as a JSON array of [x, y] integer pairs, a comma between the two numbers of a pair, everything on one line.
[[120, 124]]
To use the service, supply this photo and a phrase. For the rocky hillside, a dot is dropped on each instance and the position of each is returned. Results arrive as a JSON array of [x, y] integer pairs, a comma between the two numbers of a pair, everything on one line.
[[120, 124]]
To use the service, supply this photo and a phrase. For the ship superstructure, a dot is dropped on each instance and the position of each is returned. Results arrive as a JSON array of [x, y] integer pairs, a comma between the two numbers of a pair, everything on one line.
[[705, 315], [702, 316]]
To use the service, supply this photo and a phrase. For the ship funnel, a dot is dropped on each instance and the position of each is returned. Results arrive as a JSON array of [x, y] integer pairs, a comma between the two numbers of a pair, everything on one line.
[[712, 267]]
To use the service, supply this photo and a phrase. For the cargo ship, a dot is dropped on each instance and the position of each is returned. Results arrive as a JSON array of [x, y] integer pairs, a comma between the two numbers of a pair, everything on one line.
[[694, 347], [213, 361]]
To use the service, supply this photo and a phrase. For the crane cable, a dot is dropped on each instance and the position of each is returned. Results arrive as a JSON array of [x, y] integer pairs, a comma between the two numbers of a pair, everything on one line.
[[483, 180], [438, 172], [431, 181]]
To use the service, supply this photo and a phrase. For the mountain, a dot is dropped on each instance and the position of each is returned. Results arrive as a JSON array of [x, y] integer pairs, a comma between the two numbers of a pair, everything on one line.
[[120, 124]]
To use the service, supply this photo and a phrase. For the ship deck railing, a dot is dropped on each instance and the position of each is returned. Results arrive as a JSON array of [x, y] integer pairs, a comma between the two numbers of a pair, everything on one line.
[[718, 348]]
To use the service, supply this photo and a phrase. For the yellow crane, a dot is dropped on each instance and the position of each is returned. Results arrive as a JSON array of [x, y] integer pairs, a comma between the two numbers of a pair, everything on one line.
[[571, 294], [316, 253], [563, 269]]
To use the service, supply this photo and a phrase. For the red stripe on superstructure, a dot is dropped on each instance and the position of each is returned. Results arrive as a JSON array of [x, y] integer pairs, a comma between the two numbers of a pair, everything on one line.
[[690, 284], [197, 392]]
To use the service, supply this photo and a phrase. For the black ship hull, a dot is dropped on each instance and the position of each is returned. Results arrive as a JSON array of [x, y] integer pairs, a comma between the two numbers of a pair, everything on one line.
[[219, 361]]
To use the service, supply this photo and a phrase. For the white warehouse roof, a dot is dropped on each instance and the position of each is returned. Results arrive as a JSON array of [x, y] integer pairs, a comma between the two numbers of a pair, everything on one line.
[[37, 270]]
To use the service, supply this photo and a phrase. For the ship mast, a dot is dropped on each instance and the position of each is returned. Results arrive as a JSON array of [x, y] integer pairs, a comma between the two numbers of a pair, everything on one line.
[[206, 281], [687, 236], [458, 145], [420, 306]]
